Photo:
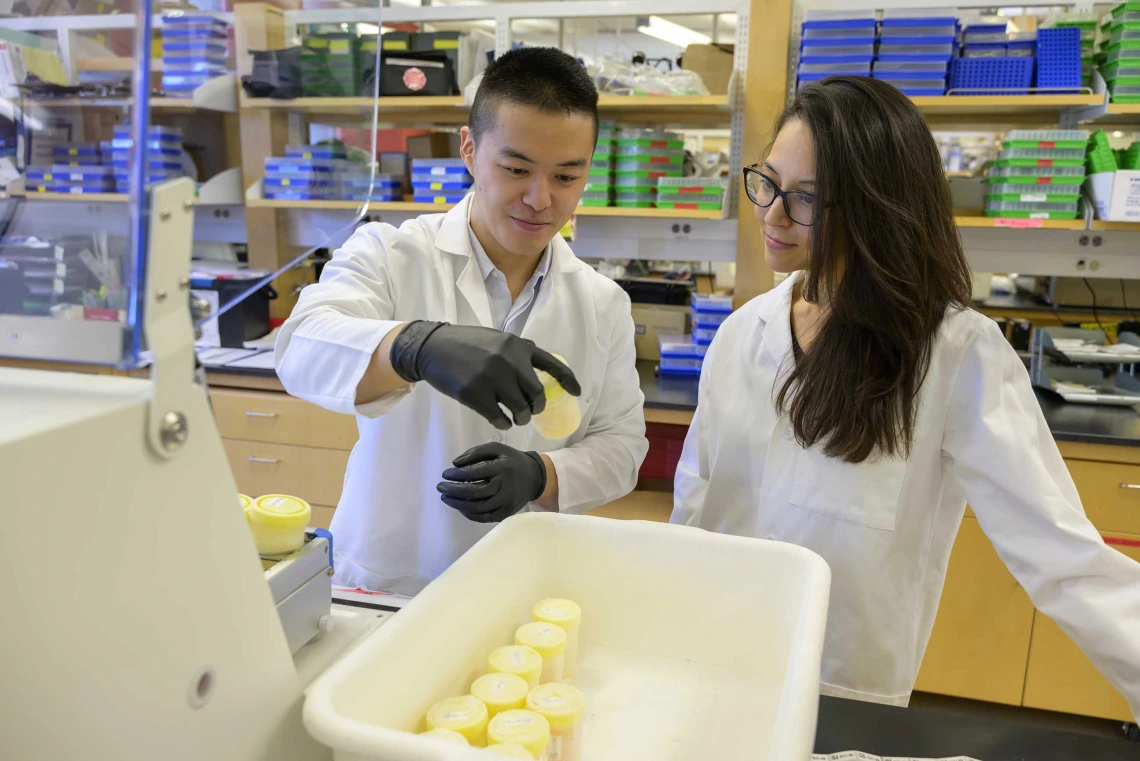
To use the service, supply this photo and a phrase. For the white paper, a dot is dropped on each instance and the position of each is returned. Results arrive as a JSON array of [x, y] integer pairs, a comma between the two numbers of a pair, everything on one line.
[[260, 361], [856, 755], [265, 342], [218, 357]]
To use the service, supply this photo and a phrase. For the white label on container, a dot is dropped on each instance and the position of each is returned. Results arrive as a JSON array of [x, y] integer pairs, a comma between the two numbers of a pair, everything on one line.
[[518, 657], [1033, 197], [439, 170], [1038, 215], [454, 716], [276, 501], [555, 749]]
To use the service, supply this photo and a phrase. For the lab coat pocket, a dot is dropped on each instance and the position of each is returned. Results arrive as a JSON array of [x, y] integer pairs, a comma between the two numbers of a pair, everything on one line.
[[866, 494]]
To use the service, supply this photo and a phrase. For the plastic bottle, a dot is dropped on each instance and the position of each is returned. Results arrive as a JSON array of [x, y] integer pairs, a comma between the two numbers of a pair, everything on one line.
[[562, 415], [466, 715], [525, 728], [566, 614], [447, 736], [562, 705], [521, 661], [278, 523], [501, 692], [550, 642], [246, 503], [514, 750]]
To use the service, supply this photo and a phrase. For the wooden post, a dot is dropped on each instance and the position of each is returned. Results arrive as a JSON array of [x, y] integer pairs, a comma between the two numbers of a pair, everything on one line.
[[765, 86]]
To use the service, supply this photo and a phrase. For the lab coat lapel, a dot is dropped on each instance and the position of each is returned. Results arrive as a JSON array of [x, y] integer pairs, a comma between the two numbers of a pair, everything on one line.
[[454, 240], [776, 316]]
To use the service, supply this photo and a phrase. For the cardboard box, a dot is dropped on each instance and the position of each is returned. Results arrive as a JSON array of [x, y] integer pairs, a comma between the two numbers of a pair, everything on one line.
[[713, 63], [652, 320], [1116, 195], [437, 145]]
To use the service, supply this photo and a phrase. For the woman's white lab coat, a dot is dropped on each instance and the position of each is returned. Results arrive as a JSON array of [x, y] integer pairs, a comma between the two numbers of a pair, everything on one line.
[[886, 527], [391, 532]]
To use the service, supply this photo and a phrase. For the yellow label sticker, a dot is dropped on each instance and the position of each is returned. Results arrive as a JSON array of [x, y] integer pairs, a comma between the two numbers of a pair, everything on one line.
[[285, 182], [339, 46], [48, 176], [396, 45], [434, 185], [306, 155], [439, 199], [72, 151], [446, 45]]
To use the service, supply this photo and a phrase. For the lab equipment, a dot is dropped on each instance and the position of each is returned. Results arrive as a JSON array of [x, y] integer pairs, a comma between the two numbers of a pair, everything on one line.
[[522, 661], [1071, 363], [1008, 75], [466, 715], [562, 416], [446, 735], [501, 692], [568, 615], [1059, 59], [680, 356], [522, 727], [562, 705], [549, 641], [278, 523]]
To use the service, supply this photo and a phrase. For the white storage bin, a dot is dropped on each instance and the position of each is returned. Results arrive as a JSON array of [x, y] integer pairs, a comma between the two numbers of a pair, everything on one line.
[[693, 644]]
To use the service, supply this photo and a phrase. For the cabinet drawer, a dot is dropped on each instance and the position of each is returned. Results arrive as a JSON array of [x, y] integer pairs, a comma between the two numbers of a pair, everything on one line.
[[1061, 678], [315, 475], [1110, 494], [322, 516], [280, 419]]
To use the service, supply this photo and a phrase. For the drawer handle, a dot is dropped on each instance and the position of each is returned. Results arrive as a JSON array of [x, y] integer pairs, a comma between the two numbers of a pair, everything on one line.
[[251, 413], [1130, 486], [266, 460]]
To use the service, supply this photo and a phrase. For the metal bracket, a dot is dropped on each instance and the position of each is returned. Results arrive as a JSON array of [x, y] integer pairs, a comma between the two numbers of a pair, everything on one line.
[[167, 326]]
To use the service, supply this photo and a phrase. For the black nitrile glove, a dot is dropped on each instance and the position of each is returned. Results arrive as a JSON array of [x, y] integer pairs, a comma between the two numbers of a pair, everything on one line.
[[492, 482], [480, 368]]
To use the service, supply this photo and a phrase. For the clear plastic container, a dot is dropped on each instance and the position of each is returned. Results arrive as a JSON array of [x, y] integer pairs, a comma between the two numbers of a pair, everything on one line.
[[919, 16], [315, 151], [501, 692], [525, 728], [905, 68], [850, 69], [522, 661], [279, 165], [1124, 35], [1017, 50], [1032, 193], [559, 420], [595, 199], [65, 172], [640, 153], [889, 52], [1034, 153], [635, 200], [278, 523], [703, 302], [940, 30], [568, 615], [686, 185], [709, 319], [676, 365], [1045, 210], [511, 750], [1052, 174], [562, 705], [691, 203], [857, 34], [549, 641], [466, 715], [905, 83], [446, 735], [985, 52], [438, 166], [704, 336], [293, 182], [981, 37], [813, 51]]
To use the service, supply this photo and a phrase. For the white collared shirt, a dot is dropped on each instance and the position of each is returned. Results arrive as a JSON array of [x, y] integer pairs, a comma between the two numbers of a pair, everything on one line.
[[507, 314]]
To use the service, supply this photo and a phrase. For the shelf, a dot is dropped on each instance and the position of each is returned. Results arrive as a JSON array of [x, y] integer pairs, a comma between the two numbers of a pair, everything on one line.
[[1021, 224], [75, 197], [1099, 224], [219, 94], [272, 203], [453, 109], [223, 189], [1002, 109]]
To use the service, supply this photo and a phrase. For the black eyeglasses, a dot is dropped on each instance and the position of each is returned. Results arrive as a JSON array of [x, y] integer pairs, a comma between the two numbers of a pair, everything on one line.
[[763, 191]]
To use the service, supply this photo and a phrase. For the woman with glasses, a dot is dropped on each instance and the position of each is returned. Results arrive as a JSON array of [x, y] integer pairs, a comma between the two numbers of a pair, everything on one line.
[[857, 407]]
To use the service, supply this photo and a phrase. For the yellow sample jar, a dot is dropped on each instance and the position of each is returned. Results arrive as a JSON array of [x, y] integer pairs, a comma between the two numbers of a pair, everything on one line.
[[501, 692], [550, 642], [525, 728], [513, 750], [466, 715], [278, 523], [562, 706], [519, 660], [566, 614], [245, 503], [447, 736], [562, 415]]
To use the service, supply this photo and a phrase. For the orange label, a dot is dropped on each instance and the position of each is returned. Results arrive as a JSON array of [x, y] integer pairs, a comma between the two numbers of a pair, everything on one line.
[[1018, 224]]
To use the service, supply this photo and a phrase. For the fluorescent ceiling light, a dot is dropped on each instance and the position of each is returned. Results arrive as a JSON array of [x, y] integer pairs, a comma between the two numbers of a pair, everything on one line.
[[681, 36]]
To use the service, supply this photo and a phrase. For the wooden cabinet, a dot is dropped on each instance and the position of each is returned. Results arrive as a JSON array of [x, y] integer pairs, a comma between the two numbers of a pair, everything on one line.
[[280, 419], [314, 475], [1060, 677], [1110, 493], [980, 643]]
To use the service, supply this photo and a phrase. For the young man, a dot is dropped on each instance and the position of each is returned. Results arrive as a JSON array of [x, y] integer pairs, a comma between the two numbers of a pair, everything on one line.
[[471, 302]]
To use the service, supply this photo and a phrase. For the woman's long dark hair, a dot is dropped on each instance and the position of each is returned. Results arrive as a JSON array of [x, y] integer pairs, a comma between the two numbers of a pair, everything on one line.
[[885, 258]]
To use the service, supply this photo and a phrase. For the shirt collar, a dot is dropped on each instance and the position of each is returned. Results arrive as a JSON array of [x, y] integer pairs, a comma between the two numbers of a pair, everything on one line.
[[486, 266]]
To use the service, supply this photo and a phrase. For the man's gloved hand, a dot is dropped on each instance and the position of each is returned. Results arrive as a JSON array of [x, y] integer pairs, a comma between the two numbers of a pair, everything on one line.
[[479, 368], [492, 482]]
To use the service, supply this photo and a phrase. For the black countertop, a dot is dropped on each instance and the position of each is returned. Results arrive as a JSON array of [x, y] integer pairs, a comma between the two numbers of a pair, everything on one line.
[[917, 733]]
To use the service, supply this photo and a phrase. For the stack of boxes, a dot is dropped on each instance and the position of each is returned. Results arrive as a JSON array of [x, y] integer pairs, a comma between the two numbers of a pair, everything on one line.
[[836, 43], [163, 155], [440, 181], [306, 173], [644, 156], [986, 38], [356, 180], [993, 62], [1120, 51], [1100, 157], [693, 193], [1037, 175], [684, 355], [193, 52], [600, 183], [76, 168], [915, 48], [330, 65]]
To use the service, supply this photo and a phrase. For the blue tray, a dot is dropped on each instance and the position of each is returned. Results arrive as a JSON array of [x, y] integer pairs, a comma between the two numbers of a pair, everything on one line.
[[435, 184], [440, 199], [204, 47], [920, 21], [182, 35], [295, 184], [280, 164], [300, 195], [59, 172], [151, 164], [376, 196], [946, 40], [1059, 58], [314, 152], [1010, 75]]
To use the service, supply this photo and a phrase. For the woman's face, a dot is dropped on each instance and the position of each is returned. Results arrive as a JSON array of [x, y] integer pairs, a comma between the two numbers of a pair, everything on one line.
[[791, 165]]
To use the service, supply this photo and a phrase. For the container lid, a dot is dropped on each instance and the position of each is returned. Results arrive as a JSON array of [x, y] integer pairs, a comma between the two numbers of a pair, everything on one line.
[[707, 303], [561, 704], [526, 728], [515, 659], [446, 735], [551, 388], [466, 715], [514, 750], [564, 613], [501, 692], [281, 511], [549, 640]]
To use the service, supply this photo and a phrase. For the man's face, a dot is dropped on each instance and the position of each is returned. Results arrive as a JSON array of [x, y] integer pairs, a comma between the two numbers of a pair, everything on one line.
[[530, 169]]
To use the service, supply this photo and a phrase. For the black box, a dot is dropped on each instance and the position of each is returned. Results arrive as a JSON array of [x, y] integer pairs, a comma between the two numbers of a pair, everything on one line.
[[428, 73]]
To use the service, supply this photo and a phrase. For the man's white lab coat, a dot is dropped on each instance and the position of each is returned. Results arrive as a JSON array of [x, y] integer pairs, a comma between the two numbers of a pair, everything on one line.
[[391, 532], [886, 527]]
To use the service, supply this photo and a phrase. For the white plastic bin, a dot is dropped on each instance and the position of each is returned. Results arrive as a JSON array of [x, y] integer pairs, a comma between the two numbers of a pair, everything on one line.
[[694, 645]]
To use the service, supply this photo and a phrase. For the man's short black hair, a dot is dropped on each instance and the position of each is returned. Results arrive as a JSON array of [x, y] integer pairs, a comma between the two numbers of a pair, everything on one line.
[[543, 78]]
